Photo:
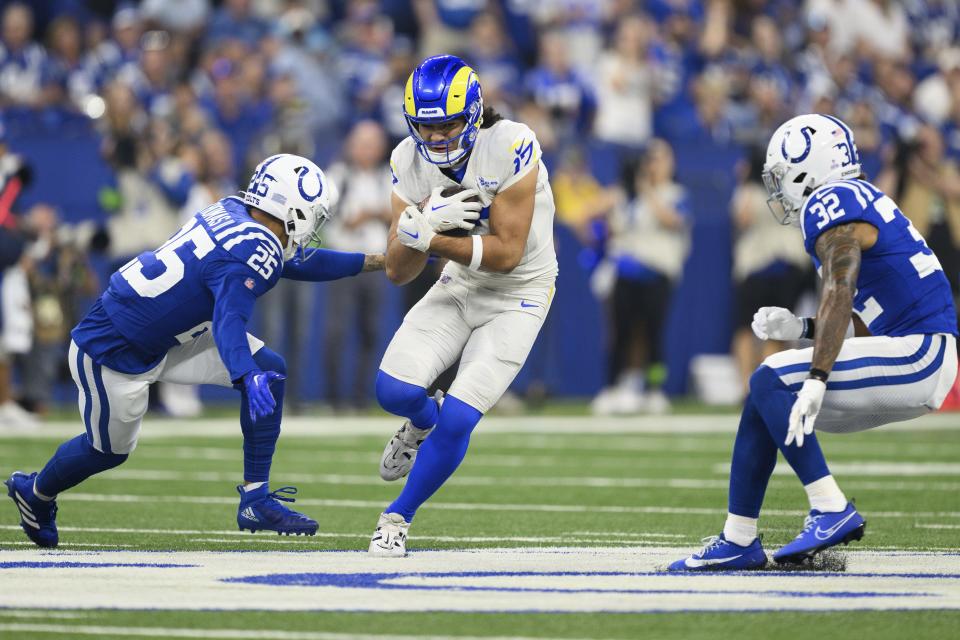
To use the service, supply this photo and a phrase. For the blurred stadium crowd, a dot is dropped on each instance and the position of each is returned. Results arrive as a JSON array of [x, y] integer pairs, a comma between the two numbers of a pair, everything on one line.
[[185, 96]]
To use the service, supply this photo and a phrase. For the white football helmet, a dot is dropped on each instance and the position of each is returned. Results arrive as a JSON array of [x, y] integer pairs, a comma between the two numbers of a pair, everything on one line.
[[295, 191], [804, 153]]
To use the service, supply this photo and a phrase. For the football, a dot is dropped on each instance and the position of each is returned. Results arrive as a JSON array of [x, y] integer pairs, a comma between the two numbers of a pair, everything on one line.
[[447, 192]]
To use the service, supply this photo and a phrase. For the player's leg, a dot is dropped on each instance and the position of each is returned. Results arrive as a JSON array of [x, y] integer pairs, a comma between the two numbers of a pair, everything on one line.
[[875, 381], [198, 362], [738, 546], [491, 359], [430, 339], [112, 405]]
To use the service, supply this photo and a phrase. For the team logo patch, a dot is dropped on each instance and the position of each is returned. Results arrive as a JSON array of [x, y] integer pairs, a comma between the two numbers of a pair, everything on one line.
[[248, 283], [487, 184]]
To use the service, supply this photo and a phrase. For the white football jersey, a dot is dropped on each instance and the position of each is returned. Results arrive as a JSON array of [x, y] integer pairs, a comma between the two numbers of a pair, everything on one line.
[[501, 156]]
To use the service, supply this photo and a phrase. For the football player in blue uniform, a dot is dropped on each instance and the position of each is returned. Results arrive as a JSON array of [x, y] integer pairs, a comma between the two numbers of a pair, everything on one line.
[[878, 275], [179, 314]]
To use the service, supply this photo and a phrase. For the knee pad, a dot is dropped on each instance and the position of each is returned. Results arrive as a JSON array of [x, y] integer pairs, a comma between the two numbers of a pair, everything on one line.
[[765, 379], [396, 396], [269, 360]]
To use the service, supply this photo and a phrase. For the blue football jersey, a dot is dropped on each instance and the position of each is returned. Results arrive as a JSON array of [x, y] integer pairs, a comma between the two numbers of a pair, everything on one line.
[[901, 288], [212, 269]]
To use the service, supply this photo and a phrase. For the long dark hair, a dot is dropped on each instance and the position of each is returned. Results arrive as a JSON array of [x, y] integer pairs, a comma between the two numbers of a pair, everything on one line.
[[490, 117]]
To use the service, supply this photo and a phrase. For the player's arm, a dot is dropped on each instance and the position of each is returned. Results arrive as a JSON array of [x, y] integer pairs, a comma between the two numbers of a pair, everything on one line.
[[402, 263], [232, 308], [323, 265], [511, 214], [839, 250]]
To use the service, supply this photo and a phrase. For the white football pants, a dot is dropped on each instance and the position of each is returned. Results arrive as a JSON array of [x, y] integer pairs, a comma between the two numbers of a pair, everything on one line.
[[113, 404], [877, 380], [492, 331]]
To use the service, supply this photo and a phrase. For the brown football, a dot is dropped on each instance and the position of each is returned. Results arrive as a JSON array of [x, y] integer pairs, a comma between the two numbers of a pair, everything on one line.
[[446, 193]]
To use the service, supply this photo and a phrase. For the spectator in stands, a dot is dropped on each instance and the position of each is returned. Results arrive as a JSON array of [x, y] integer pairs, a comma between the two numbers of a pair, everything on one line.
[[187, 16], [58, 273], [769, 264], [649, 241], [399, 62], [110, 55], [926, 185], [237, 109], [445, 24], [711, 122], [13, 177], [152, 78], [493, 56], [145, 218], [363, 58], [74, 81], [559, 90], [235, 21], [624, 85], [26, 74], [581, 201], [361, 224]]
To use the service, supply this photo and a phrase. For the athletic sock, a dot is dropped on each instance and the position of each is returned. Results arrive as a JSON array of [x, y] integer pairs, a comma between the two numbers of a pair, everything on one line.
[[75, 461], [438, 457], [825, 495], [740, 530]]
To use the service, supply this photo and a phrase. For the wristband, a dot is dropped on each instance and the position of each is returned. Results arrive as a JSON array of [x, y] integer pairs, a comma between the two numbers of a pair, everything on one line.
[[477, 256], [809, 327], [818, 374]]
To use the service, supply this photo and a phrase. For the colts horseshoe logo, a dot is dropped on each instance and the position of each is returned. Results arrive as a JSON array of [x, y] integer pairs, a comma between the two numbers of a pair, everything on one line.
[[302, 173], [806, 132]]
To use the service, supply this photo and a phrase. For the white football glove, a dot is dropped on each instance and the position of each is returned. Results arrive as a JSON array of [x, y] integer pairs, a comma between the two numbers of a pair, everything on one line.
[[452, 212], [414, 231], [805, 410], [776, 323]]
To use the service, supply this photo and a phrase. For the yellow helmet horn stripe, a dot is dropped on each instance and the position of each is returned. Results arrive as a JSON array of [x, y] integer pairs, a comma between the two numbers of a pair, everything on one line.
[[408, 103], [457, 94]]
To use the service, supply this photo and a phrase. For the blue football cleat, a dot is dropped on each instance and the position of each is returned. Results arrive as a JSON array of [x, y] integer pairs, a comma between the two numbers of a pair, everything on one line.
[[260, 510], [822, 531], [718, 554], [37, 517]]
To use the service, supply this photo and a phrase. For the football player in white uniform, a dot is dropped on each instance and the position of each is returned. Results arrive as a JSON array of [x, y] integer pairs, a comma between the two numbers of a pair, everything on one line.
[[491, 299]]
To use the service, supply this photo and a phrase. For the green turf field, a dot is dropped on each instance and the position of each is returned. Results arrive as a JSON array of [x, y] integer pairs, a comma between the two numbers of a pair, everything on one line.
[[621, 486]]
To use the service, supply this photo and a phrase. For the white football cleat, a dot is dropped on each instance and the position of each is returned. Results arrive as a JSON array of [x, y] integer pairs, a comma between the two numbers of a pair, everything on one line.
[[390, 538], [401, 452]]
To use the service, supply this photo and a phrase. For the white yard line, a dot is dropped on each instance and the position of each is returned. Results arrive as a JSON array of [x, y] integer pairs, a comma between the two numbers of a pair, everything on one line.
[[43, 614], [27, 543], [339, 427], [597, 482], [482, 506], [872, 468], [364, 534], [241, 634]]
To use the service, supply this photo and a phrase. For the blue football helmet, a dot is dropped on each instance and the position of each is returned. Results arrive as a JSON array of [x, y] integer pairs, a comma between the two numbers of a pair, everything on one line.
[[441, 89]]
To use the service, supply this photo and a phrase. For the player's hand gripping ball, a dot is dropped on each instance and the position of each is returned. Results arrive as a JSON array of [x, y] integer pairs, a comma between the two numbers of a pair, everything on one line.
[[453, 210]]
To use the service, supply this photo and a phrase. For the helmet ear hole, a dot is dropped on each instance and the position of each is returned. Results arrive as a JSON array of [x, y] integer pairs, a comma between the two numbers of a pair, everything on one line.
[[800, 178]]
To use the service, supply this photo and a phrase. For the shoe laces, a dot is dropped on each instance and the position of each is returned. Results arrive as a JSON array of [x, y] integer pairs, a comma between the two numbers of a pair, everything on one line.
[[273, 499], [809, 522], [709, 544], [287, 491]]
